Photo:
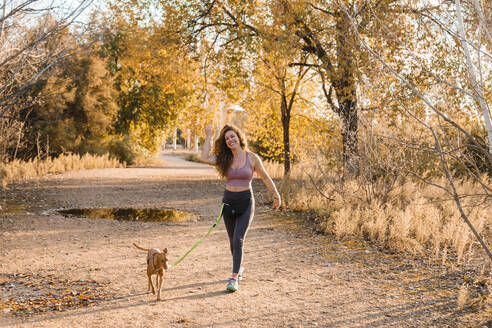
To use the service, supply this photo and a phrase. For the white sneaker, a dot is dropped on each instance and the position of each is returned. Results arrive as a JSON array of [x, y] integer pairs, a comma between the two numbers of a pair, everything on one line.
[[232, 286]]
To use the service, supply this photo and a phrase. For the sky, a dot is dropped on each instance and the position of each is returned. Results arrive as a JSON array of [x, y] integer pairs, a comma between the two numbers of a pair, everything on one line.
[[63, 7]]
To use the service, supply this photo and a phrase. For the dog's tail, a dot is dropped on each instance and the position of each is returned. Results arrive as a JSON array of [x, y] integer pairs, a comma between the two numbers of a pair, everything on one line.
[[143, 249]]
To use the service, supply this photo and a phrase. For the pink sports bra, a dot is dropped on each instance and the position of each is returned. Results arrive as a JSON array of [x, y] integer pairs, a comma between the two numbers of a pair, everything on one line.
[[240, 177]]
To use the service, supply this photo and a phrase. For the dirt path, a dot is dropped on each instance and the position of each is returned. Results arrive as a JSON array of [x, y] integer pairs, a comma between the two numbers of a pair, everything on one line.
[[292, 278]]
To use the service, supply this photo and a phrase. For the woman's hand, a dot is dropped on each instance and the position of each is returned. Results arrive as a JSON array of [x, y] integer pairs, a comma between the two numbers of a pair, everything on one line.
[[276, 202], [260, 170], [208, 130]]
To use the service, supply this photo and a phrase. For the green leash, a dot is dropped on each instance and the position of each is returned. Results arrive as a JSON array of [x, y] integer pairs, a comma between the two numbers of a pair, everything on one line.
[[200, 241]]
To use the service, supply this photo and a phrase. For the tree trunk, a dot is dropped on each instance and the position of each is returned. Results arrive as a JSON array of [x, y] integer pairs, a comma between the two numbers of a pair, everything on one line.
[[474, 78], [196, 137], [344, 83], [2, 24], [188, 139], [38, 147], [19, 135], [342, 78], [175, 135], [47, 153], [286, 132], [350, 140]]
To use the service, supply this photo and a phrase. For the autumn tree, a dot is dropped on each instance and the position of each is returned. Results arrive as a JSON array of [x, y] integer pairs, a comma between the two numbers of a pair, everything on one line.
[[318, 28], [239, 58], [75, 110], [275, 93], [445, 101], [307, 132], [275, 73], [153, 75]]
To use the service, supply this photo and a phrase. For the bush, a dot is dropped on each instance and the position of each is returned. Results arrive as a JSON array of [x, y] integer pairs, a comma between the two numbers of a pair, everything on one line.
[[193, 158], [123, 151], [475, 157]]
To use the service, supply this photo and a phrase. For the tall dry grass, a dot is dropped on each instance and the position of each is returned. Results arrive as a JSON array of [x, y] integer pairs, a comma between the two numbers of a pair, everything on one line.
[[413, 217], [276, 170], [17, 170]]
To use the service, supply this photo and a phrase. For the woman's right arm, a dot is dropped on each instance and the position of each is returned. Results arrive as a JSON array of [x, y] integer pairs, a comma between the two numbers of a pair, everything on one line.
[[205, 156]]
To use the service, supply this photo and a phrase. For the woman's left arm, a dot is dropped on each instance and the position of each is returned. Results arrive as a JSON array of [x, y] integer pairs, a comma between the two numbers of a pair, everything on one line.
[[260, 170]]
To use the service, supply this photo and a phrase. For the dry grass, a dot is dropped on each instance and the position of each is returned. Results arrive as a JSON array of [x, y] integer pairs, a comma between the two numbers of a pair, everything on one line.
[[193, 158], [17, 170], [410, 218], [416, 218], [276, 171], [463, 296], [148, 162]]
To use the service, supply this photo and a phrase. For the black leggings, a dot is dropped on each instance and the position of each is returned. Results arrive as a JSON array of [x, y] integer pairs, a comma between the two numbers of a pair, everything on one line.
[[237, 223]]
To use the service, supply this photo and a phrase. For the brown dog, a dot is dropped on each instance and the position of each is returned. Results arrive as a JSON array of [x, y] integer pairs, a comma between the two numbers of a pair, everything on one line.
[[157, 262]]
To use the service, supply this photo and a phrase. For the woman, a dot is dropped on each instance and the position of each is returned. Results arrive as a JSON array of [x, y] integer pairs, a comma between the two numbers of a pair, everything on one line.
[[236, 164]]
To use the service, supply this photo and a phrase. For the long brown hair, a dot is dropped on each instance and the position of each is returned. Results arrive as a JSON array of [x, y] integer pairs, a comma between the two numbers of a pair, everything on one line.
[[223, 155]]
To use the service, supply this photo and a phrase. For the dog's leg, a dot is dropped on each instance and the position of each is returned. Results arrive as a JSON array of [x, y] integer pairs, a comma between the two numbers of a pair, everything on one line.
[[151, 286], [159, 285]]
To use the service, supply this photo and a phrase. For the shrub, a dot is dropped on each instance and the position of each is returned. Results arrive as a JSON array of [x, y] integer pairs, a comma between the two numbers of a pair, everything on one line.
[[122, 150], [192, 158]]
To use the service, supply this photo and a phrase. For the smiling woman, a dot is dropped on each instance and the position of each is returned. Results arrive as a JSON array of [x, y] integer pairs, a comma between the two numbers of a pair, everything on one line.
[[229, 138], [236, 164]]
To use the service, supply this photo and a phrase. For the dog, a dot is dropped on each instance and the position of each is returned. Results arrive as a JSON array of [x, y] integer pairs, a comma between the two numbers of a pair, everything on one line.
[[157, 262]]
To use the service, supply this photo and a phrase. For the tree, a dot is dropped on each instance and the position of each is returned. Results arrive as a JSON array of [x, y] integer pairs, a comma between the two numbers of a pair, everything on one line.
[[477, 77], [76, 108], [27, 53], [264, 125], [32, 42], [446, 124], [271, 114], [319, 28], [153, 76], [275, 73]]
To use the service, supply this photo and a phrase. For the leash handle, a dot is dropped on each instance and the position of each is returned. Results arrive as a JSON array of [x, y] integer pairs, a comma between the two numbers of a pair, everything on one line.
[[200, 241]]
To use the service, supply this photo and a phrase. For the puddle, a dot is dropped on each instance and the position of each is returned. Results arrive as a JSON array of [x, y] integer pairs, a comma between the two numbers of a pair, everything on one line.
[[131, 214], [12, 203]]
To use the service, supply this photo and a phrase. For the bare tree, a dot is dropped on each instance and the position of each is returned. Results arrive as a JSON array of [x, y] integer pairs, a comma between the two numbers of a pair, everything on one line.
[[444, 128], [476, 76], [32, 41]]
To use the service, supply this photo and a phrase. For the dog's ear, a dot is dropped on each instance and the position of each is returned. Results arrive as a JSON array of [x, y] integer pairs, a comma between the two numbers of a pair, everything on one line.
[[165, 250]]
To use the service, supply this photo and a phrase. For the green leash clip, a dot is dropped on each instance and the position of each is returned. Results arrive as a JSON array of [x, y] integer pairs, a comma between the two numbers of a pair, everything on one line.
[[200, 241]]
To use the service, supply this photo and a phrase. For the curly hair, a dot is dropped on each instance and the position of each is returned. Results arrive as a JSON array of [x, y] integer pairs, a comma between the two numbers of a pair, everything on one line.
[[222, 153]]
